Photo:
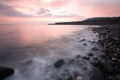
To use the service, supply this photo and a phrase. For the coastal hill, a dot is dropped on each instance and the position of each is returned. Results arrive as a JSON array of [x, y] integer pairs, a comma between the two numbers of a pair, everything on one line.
[[93, 21]]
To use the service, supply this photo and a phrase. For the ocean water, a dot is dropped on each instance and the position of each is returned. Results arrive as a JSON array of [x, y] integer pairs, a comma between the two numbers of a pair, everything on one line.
[[32, 50]]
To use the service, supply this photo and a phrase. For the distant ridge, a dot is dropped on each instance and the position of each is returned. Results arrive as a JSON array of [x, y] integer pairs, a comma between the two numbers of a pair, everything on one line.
[[93, 21]]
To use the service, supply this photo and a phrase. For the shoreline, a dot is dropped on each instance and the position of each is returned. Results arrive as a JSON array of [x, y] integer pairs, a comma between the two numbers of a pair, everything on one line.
[[108, 68]]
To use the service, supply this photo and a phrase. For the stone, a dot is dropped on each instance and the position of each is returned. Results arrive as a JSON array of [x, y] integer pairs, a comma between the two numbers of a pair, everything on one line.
[[90, 54], [78, 57], [107, 66], [95, 58], [95, 63], [69, 78], [96, 74], [94, 49], [117, 70], [79, 78], [84, 44], [112, 78], [59, 63], [82, 40], [86, 57], [5, 71]]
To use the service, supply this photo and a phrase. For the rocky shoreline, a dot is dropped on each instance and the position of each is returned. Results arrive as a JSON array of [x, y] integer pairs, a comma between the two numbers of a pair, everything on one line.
[[108, 68]]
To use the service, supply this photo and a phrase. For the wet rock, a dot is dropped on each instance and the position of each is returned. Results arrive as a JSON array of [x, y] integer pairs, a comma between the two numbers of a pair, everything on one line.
[[95, 58], [5, 71], [94, 49], [71, 61], [112, 78], [84, 67], [90, 54], [96, 74], [59, 63], [79, 78], [114, 59], [118, 76], [82, 40], [117, 69], [76, 73], [107, 66], [70, 78], [95, 63], [84, 44], [78, 56], [86, 57]]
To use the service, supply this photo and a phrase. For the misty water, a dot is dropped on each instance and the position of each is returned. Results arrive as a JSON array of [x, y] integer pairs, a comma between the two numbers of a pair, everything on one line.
[[32, 50]]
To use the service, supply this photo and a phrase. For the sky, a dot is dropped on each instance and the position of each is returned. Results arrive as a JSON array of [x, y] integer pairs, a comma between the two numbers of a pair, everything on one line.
[[50, 11]]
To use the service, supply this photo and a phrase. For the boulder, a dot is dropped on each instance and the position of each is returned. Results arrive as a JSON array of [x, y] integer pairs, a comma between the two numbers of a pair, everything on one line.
[[94, 49], [107, 66], [84, 44], [86, 57], [90, 54], [59, 63], [5, 71], [96, 74], [78, 56]]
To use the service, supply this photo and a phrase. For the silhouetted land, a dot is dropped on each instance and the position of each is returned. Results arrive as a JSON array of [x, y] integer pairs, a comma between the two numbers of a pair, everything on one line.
[[93, 21]]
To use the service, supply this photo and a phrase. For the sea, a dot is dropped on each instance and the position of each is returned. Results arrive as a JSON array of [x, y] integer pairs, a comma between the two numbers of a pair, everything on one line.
[[32, 50]]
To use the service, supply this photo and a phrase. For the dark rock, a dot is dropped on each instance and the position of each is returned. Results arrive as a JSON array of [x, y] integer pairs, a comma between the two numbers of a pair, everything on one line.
[[112, 63], [112, 78], [76, 73], [78, 57], [114, 59], [84, 44], [95, 58], [94, 49], [82, 40], [118, 76], [107, 66], [96, 74], [90, 54], [95, 63], [117, 70], [86, 57], [5, 71], [59, 63], [70, 78]]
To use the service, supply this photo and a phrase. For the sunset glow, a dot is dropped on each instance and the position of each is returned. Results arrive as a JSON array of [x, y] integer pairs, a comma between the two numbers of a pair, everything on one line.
[[45, 11]]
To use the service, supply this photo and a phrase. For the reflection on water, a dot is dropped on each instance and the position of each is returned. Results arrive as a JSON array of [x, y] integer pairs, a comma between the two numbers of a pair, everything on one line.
[[32, 50], [23, 35]]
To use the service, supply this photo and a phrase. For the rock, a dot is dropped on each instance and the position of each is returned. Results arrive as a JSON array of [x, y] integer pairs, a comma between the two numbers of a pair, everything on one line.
[[95, 58], [84, 44], [82, 40], [117, 70], [86, 57], [71, 61], [114, 59], [70, 78], [5, 71], [59, 63], [76, 73], [95, 63], [94, 49], [112, 78], [78, 57], [84, 67], [90, 54], [118, 76], [107, 66], [96, 74], [79, 78]]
